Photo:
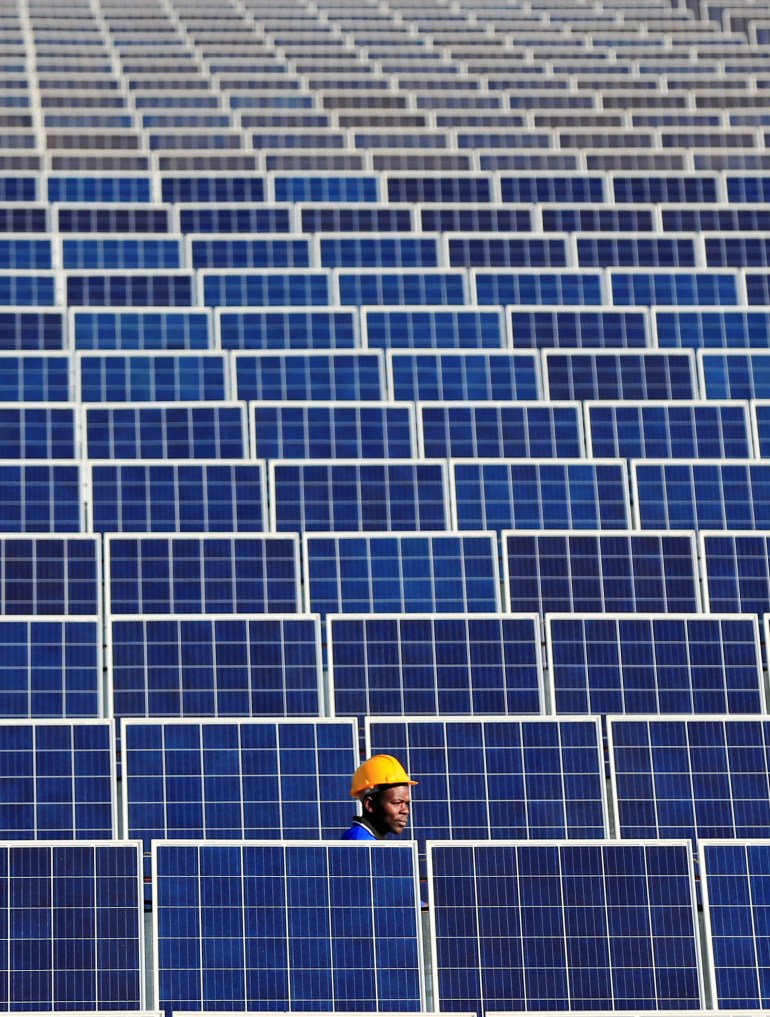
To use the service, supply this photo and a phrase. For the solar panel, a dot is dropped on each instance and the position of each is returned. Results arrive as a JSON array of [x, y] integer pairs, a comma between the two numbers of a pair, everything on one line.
[[164, 431], [140, 329], [658, 189], [726, 495], [348, 495], [332, 430], [690, 776], [34, 377], [499, 778], [32, 330], [242, 217], [578, 328], [586, 572], [433, 328], [591, 926], [547, 286], [499, 250], [99, 189], [288, 287], [359, 218], [757, 286], [673, 288], [456, 430], [204, 573], [621, 374], [38, 432], [151, 376], [112, 218], [428, 287], [41, 497], [26, 252], [212, 188], [241, 250], [177, 497], [459, 218], [497, 494], [326, 187], [461, 375], [110, 252], [334, 922], [434, 664], [404, 573], [660, 430], [604, 250], [20, 288], [432, 187], [161, 288], [58, 780], [320, 328], [356, 250], [734, 880], [296, 375], [734, 375], [712, 328], [73, 927], [574, 218], [729, 250], [661, 663]]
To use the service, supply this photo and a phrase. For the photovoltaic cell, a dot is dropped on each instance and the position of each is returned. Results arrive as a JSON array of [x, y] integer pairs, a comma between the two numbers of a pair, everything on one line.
[[38, 432], [590, 926], [734, 375], [57, 780], [316, 375], [549, 286], [138, 329], [31, 330], [427, 286], [434, 328], [320, 328], [527, 494], [500, 430], [736, 572], [499, 778], [712, 328], [460, 375], [565, 328], [72, 928], [268, 288], [292, 926], [648, 374], [151, 377], [369, 495], [35, 377], [403, 573], [585, 572], [170, 431], [632, 664], [204, 573], [673, 288], [690, 776], [434, 664], [216, 666]]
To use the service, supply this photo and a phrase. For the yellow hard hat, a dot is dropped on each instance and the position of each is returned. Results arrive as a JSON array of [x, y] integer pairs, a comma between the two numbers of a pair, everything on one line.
[[377, 772]]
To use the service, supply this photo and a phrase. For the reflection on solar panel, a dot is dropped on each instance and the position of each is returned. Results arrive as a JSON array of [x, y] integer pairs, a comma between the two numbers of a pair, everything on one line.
[[38, 432], [500, 430], [649, 430], [502, 778], [136, 329], [203, 573], [165, 431], [627, 664], [702, 495], [525, 494], [734, 887], [360, 496], [72, 928], [603, 572], [434, 328], [591, 926], [170, 497], [434, 664], [460, 375], [690, 776], [394, 572], [296, 375], [333, 430], [566, 328], [285, 927], [57, 780], [620, 375], [320, 328], [210, 666], [734, 375]]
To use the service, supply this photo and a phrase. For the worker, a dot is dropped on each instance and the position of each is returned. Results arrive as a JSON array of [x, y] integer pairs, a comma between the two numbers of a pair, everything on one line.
[[381, 785]]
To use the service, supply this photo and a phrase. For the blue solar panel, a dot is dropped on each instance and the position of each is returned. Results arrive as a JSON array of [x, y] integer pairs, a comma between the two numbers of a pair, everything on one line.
[[356, 219], [427, 286], [72, 927], [651, 430], [166, 497], [547, 776], [239, 218], [586, 219], [721, 218], [295, 375], [672, 288], [220, 780], [111, 252], [734, 375], [474, 219], [161, 288], [434, 328], [690, 776], [254, 289], [386, 251], [735, 904], [170, 431], [550, 286], [590, 926], [244, 251], [202, 574], [730, 250], [291, 927], [427, 188], [736, 572], [225, 188], [504, 430], [38, 432], [25, 252], [209, 666], [760, 418], [331, 187], [757, 287], [332, 430], [358, 496], [526, 494], [630, 664], [58, 780], [702, 495], [461, 375], [100, 189], [29, 331], [656, 190], [708, 329], [41, 497], [600, 572], [623, 374], [496, 250], [564, 328], [113, 218], [321, 328], [28, 289], [410, 572], [552, 187], [434, 664], [609, 250], [34, 377], [747, 188], [132, 329], [151, 376]]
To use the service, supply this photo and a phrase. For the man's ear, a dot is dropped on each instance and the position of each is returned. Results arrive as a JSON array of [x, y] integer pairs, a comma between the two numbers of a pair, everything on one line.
[[367, 804]]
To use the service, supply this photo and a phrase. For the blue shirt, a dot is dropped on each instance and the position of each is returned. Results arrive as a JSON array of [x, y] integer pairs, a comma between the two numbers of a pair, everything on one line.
[[359, 831]]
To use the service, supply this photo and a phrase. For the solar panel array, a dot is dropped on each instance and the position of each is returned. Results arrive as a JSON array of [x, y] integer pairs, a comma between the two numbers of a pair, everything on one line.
[[384, 377]]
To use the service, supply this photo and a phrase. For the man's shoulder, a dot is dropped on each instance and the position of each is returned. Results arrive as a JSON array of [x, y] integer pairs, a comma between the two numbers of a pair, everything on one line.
[[358, 831]]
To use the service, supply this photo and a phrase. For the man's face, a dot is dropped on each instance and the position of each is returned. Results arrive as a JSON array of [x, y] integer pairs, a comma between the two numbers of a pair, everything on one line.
[[389, 810]]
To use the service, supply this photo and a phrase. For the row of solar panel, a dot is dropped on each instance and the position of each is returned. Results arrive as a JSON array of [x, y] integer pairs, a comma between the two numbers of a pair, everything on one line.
[[293, 926]]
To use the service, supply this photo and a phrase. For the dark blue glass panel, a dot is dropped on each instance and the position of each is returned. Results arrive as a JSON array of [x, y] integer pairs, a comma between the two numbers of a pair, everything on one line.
[[121, 252], [31, 330], [657, 190], [606, 375], [475, 219], [249, 252], [735, 375], [124, 289], [355, 219], [301, 329], [35, 378], [117, 218], [551, 287], [296, 376], [539, 329], [568, 219], [534, 190], [38, 432], [25, 253], [357, 251], [736, 570], [747, 188], [498, 251], [224, 188], [326, 188], [237, 219], [669, 430], [265, 289], [683, 289], [708, 329], [503, 430], [434, 328], [631, 250], [100, 188], [733, 251], [438, 188], [700, 495], [332, 431], [424, 287], [140, 330], [428, 376], [197, 431], [40, 498], [154, 377]]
